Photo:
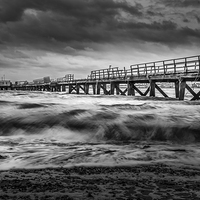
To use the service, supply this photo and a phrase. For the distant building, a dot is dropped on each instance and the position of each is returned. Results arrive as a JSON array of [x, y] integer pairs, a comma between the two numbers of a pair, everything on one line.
[[47, 79], [5, 83], [21, 82], [42, 80]]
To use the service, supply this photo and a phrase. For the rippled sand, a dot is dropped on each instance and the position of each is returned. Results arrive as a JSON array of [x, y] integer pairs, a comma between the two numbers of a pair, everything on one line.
[[131, 182]]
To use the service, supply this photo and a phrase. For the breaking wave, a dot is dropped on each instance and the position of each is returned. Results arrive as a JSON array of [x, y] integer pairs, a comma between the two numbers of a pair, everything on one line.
[[41, 129], [107, 124]]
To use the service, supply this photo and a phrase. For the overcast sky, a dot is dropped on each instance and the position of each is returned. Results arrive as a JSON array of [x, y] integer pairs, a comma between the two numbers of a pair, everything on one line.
[[56, 37]]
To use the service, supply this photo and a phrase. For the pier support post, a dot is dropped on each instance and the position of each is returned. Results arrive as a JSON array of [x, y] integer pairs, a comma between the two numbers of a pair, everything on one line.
[[177, 89], [117, 86], [105, 88], [77, 89], [87, 88], [112, 88], [58, 88], [48, 88], [131, 91], [70, 89], [98, 88], [152, 88], [63, 88], [182, 90], [94, 88]]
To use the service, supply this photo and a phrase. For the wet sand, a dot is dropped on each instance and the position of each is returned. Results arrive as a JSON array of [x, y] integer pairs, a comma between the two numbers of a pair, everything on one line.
[[154, 181]]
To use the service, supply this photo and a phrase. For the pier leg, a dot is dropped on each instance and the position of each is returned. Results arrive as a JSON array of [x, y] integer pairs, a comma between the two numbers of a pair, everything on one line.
[[98, 88], [87, 88], [77, 89], [94, 88], [117, 91], [182, 90], [70, 89], [48, 88], [177, 89], [63, 88], [105, 88], [131, 90], [112, 88], [152, 88]]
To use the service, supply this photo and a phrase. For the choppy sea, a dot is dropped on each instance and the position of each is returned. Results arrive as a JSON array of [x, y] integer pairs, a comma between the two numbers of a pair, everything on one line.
[[43, 129]]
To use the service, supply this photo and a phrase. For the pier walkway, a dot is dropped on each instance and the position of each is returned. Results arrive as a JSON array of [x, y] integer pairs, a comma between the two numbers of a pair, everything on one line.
[[114, 81]]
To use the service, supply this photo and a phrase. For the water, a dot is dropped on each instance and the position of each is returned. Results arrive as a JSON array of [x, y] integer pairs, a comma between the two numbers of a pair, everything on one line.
[[41, 129]]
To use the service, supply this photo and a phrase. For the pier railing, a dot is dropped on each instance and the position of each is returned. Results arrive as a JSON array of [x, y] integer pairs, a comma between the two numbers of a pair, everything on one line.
[[166, 67]]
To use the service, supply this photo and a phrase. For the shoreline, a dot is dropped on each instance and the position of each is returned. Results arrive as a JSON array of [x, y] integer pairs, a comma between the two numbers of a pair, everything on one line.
[[154, 181]]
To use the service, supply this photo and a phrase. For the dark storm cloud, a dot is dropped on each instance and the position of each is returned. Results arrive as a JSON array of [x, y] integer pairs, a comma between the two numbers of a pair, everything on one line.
[[198, 19], [12, 10], [153, 13], [181, 3], [56, 24]]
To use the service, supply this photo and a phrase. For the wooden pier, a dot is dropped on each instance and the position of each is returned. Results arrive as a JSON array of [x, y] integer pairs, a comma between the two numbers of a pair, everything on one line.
[[114, 81]]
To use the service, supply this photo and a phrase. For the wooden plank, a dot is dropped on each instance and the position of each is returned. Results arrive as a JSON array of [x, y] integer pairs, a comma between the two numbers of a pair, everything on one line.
[[161, 91]]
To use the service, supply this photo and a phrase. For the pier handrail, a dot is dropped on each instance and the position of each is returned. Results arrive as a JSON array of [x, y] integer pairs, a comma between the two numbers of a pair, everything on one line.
[[173, 66]]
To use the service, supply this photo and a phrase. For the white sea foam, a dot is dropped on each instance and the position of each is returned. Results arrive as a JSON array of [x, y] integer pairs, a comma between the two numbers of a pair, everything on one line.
[[42, 129]]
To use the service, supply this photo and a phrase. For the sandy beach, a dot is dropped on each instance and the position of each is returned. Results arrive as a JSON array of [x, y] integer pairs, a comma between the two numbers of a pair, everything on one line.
[[155, 181]]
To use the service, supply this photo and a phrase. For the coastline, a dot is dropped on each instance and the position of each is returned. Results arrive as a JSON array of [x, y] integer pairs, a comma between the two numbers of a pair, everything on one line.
[[153, 181]]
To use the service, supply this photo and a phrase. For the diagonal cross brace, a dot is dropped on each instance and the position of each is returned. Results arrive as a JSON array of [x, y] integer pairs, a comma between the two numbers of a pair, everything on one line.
[[195, 95]]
